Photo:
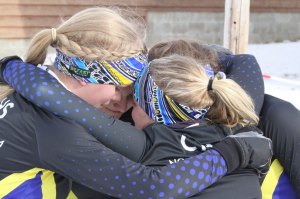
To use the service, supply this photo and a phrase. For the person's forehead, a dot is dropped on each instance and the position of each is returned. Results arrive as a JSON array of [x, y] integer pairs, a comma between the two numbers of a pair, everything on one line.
[[125, 87]]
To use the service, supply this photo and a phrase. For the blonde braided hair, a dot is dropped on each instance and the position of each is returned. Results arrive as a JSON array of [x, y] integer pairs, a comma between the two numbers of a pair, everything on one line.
[[72, 48], [93, 34]]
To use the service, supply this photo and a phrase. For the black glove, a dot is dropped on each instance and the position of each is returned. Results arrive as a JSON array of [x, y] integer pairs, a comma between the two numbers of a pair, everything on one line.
[[247, 149], [3, 63]]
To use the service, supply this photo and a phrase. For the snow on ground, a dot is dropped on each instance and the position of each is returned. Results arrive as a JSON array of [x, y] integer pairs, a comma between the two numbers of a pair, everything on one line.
[[281, 61]]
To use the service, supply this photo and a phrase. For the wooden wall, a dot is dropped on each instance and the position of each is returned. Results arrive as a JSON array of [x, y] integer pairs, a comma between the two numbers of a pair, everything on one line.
[[20, 19]]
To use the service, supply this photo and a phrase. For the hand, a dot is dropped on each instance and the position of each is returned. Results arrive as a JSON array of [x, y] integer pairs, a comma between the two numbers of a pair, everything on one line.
[[256, 150], [140, 118], [246, 150]]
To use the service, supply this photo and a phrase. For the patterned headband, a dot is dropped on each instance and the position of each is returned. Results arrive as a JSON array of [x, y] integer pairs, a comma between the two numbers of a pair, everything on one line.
[[118, 72], [159, 106]]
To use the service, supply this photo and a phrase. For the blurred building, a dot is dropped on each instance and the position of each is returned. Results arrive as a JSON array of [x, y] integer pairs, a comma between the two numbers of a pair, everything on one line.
[[203, 20]]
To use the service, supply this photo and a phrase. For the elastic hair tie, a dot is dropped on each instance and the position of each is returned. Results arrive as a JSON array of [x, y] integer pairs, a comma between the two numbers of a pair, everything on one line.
[[220, 75], [53, 36], [209, 86]]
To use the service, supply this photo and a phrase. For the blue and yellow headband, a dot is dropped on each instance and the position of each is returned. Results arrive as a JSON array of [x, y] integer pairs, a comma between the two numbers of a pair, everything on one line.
[[159, 106], [117, 72]]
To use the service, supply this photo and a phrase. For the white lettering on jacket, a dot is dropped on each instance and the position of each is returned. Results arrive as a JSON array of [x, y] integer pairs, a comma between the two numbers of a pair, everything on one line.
[[189, 148], [175, 160], [1, 143], [3, 107], [186, 147]]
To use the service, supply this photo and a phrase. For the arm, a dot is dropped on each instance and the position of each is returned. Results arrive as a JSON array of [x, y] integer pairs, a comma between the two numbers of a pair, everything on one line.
[[73, 153], [119, 132], [77, 155], [280, 122], [245, 70], [60, 152], [45, 91]]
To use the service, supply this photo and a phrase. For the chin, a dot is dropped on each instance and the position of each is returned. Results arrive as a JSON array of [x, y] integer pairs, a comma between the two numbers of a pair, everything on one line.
[[117, 115], [112, 113], [108, 111]]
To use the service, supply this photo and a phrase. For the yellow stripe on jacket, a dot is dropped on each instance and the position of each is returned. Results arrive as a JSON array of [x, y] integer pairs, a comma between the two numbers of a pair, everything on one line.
[[13, 181], [271, 180]]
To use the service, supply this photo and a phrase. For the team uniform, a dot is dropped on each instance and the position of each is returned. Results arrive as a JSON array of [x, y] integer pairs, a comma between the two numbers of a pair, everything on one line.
[[70, 150], [36, 142], [283, 180], [145, 150], [182, 140], [22, 173], [278, 121]]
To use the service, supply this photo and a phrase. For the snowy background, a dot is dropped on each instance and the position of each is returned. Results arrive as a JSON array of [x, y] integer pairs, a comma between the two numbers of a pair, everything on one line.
[[282, 62]]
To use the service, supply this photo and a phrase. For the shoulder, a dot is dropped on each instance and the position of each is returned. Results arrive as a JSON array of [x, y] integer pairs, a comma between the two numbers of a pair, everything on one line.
[[240, 129], [17, 124], [232, 59], [14, 107], [156, 130], [18, 112]]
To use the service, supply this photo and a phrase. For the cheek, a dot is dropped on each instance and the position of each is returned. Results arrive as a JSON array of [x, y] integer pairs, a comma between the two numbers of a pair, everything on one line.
[[99, 98], [106, 94], [129, 102]]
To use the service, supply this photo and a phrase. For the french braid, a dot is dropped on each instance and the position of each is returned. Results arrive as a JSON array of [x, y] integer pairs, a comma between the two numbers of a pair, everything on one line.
[[74, 49], [93, 34]]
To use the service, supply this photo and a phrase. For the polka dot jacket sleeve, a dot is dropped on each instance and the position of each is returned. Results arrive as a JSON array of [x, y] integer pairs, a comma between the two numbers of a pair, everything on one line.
[[245, 70], [78, 156], [46, 92]]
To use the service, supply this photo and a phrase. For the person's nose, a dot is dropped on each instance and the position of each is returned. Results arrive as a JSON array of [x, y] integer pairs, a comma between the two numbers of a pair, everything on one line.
[[117, 96], [120, 101]]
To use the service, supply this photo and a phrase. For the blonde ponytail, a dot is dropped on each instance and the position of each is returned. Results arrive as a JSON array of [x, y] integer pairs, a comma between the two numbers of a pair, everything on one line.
[[184, 80], [38, 46], [232, 105], [5, 91], [94, 33]]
